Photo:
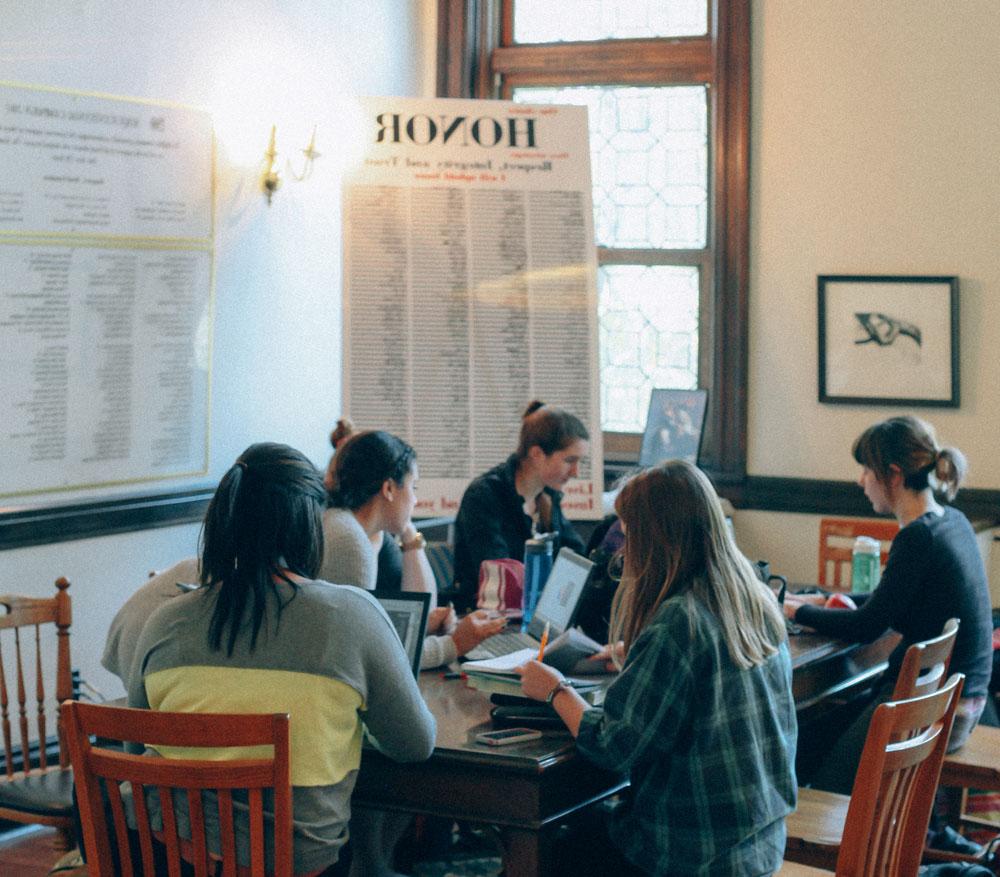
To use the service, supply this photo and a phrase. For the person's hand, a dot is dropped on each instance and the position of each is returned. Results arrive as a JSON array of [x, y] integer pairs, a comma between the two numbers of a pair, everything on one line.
[[442, 620], [607, 656], [791, 605], [474, 628], [538, 679], [811, 599]]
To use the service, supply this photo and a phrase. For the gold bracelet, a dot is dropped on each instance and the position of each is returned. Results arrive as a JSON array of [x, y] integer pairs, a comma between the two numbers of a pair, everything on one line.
[[414, 544]]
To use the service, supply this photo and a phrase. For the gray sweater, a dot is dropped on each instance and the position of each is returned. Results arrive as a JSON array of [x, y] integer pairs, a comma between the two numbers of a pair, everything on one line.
[[330, 658]]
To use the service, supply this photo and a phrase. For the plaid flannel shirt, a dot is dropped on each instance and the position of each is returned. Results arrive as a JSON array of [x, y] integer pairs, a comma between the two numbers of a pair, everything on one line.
[[709, 748]]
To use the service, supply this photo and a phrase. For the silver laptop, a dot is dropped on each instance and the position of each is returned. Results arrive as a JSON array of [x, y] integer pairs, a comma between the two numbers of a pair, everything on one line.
[[557, 606]]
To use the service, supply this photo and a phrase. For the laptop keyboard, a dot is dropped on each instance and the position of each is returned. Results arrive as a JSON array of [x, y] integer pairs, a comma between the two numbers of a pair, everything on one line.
[[501, 644]]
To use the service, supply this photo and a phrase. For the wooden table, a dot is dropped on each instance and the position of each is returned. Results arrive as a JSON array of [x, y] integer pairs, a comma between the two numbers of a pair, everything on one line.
[[527, 788]]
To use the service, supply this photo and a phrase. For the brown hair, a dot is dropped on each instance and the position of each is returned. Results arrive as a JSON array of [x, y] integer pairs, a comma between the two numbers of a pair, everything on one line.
[[909, 444], [551, 429], [677, 543]]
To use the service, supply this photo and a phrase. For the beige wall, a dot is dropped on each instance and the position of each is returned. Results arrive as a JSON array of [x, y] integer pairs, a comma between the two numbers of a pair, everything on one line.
[[874, 151], [875, 131]]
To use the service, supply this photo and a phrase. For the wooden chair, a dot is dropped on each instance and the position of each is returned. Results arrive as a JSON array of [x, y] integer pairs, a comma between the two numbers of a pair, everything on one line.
[[172, 777], [880, 829], [836, 539], [34, 645], [925, 664]]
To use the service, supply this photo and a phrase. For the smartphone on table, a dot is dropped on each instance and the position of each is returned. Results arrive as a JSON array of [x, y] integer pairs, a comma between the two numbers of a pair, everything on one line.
[[508, 736]]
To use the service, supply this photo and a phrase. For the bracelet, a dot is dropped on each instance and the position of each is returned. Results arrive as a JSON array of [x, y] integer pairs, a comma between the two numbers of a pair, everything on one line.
[[561, 685], [414, 544]]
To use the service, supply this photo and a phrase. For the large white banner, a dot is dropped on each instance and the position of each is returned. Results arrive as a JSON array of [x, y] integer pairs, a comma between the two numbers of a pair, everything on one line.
[[470, 284]]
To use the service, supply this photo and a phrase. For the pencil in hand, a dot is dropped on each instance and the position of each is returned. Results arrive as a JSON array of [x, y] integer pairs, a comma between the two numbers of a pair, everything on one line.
[[544, 642]]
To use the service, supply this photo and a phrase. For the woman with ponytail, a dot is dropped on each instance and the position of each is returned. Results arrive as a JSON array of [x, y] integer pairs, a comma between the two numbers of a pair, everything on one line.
[[262, 635], [506, 506], [934, 572]]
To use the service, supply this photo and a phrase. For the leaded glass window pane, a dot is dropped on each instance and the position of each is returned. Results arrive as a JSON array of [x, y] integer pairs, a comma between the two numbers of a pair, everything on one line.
[[649, 158], [555, 21], [648, 318]]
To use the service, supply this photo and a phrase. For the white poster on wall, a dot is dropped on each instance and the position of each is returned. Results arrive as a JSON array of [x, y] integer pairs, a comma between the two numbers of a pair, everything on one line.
[[470, 285], [105, 290], [76, 164]]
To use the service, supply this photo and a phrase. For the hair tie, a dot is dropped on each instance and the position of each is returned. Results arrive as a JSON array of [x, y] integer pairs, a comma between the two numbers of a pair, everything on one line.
[[242, 465]]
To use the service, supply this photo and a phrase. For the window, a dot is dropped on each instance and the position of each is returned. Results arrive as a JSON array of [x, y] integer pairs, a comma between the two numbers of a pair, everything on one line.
[[667, 87]]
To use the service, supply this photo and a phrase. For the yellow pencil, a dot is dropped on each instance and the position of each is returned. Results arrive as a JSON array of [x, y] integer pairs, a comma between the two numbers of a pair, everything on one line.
[[545, 639]]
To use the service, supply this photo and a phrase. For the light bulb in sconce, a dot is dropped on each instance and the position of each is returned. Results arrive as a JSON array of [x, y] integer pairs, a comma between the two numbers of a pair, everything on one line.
[[270, 179]]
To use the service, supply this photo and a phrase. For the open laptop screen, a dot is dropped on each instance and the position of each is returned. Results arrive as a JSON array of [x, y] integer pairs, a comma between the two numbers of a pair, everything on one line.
[[408, 613], [561, 594]]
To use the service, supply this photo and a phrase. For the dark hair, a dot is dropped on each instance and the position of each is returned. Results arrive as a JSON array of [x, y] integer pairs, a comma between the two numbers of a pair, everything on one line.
[[266, 516], [363, 463], [551, 429], [909, 443]]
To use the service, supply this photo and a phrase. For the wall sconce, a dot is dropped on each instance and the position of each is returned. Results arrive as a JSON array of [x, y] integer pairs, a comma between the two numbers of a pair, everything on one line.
[[270, 179]]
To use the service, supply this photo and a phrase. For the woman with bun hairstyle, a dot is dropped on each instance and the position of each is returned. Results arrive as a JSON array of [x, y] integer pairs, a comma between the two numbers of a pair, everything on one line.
[[262, 634], [701, 716], [371, 486], [506, 506], [934, 572]]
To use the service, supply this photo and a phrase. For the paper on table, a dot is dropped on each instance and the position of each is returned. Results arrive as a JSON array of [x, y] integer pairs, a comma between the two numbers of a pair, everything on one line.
[[503, 664]]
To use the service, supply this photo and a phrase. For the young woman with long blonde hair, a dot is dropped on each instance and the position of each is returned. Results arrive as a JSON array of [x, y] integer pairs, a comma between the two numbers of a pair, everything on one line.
[[701, 716]]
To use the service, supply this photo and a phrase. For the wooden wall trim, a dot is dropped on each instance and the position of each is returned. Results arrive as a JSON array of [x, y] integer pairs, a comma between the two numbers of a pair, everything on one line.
[[818, 497], [25, 527]]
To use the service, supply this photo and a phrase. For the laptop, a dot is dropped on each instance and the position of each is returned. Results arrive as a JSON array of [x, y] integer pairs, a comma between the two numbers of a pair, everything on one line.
[[408, 611], [557, 606]]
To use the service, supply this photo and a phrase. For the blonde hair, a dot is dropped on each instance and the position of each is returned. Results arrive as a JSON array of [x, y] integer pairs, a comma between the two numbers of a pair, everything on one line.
[[677, 543]]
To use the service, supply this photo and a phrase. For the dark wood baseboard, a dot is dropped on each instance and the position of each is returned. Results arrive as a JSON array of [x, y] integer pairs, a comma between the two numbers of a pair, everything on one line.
[[24, 527], [21, 528]]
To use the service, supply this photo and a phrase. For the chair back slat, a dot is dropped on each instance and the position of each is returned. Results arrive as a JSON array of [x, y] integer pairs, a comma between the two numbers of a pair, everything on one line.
[[170, 836], [114, 793], [925, 664], [22, 698], [141, 820], [40, 698], [199, 846], [8, 743], [256, 833], [836, 538], [172, 776], [894, 788], [227, 837]]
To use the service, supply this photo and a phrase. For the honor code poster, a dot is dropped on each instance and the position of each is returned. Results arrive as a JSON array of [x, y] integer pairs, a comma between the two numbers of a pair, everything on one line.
[[470, 285]]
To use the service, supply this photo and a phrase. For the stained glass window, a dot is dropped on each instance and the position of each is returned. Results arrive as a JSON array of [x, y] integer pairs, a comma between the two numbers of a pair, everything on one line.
[[550, 21]]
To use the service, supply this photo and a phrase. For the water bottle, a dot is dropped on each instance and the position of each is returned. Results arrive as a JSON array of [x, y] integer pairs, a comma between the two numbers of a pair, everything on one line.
[[537, 565], [865, 569]]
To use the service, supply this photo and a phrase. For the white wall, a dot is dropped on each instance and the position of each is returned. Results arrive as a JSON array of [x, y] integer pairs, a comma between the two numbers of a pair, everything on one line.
[[874, 151], [277, 329]]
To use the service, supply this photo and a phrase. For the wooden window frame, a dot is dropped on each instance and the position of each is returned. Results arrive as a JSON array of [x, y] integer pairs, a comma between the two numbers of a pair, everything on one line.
[[477, 58]]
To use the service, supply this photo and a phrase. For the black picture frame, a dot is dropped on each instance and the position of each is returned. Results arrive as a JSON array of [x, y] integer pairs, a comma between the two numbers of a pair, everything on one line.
[[888, 340]]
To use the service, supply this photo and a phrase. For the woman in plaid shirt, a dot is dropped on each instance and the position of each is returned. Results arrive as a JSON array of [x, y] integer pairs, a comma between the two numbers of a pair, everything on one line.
[[701, 717]]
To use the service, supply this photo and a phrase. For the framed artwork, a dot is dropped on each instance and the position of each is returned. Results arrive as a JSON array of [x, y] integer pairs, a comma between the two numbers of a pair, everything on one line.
[[888, 340], [674, 426]]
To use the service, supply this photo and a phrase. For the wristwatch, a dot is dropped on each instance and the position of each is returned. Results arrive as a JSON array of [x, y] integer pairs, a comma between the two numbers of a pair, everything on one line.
[[414, 544], [559, 686]]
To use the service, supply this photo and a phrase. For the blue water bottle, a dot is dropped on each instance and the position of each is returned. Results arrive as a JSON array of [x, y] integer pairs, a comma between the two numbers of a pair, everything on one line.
[[537, 565]]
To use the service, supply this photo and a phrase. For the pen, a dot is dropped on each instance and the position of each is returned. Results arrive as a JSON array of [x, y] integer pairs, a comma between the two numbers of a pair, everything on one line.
[[544, 642]]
